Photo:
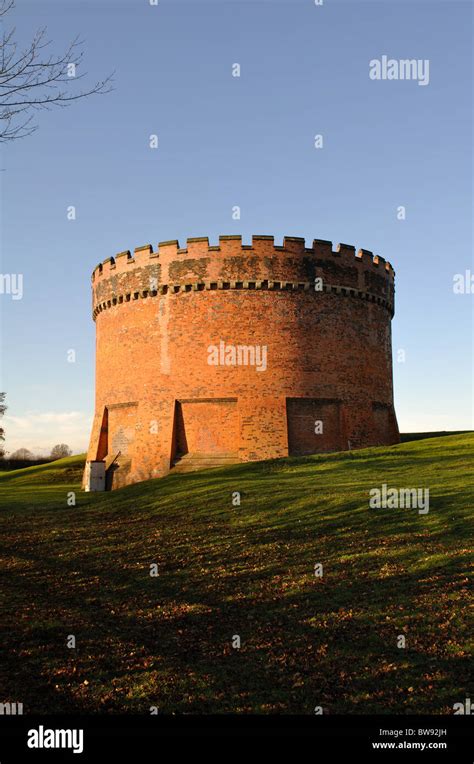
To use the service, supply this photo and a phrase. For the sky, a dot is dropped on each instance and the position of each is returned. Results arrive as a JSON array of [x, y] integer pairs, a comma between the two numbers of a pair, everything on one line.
[[248, 141]]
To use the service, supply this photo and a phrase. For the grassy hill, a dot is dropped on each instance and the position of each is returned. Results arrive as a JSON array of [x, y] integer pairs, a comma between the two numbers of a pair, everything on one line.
[[245, 570]]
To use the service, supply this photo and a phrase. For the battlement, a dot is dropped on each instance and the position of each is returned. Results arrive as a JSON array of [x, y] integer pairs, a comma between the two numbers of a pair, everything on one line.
[[261, 246], [233, 265]]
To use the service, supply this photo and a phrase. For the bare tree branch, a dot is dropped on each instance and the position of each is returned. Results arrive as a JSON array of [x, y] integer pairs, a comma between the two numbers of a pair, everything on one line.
[[34, 79], [5, 6]]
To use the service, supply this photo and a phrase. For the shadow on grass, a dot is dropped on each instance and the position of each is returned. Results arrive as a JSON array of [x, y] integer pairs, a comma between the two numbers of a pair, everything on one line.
[[247, 571], [167, 641]]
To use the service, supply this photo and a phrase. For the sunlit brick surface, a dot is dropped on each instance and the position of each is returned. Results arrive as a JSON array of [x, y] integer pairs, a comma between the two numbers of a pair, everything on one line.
[[323, 316]]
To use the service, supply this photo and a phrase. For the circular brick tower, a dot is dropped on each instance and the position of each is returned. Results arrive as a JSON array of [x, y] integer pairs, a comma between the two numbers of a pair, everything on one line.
[[213, 354]]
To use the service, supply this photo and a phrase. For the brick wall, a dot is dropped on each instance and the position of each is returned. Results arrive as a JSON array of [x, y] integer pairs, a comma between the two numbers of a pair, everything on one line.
[[327, 352]]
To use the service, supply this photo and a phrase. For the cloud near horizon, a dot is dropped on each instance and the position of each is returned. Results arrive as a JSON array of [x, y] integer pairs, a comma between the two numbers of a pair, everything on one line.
[[40, 431]]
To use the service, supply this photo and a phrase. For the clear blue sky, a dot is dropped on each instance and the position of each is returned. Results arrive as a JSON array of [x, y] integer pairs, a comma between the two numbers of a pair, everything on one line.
[[247, 141]]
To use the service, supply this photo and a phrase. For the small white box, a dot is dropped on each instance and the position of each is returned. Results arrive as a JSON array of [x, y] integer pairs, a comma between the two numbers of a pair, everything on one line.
[[95, 476]]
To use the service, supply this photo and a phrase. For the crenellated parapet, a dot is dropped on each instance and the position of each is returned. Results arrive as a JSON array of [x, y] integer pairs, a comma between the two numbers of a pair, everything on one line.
[[235, 351], [233, 265]]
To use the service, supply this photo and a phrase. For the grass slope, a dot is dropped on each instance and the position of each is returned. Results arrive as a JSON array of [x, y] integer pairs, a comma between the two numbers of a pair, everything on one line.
[[249, 570]]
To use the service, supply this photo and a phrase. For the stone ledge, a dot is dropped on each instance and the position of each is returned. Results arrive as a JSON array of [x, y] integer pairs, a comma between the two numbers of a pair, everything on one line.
[[273, 286]]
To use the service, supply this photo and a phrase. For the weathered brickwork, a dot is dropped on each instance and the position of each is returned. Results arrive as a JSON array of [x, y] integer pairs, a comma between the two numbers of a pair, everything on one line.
[[312, 365]]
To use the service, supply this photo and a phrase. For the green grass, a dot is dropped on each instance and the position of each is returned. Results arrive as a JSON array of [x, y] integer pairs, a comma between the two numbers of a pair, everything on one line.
[[406, 437], [248, 570]]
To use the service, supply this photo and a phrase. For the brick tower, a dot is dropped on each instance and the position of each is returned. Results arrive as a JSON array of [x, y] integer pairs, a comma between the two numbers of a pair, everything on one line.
[[212, 354]]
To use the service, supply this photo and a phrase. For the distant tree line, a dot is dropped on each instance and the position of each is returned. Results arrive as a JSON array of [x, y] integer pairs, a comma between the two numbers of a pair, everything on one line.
[[23, 457]]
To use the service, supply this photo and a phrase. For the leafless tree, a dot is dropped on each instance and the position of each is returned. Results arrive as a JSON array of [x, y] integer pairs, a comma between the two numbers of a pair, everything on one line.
[[60, 451], [22, 454], [33, 78]]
